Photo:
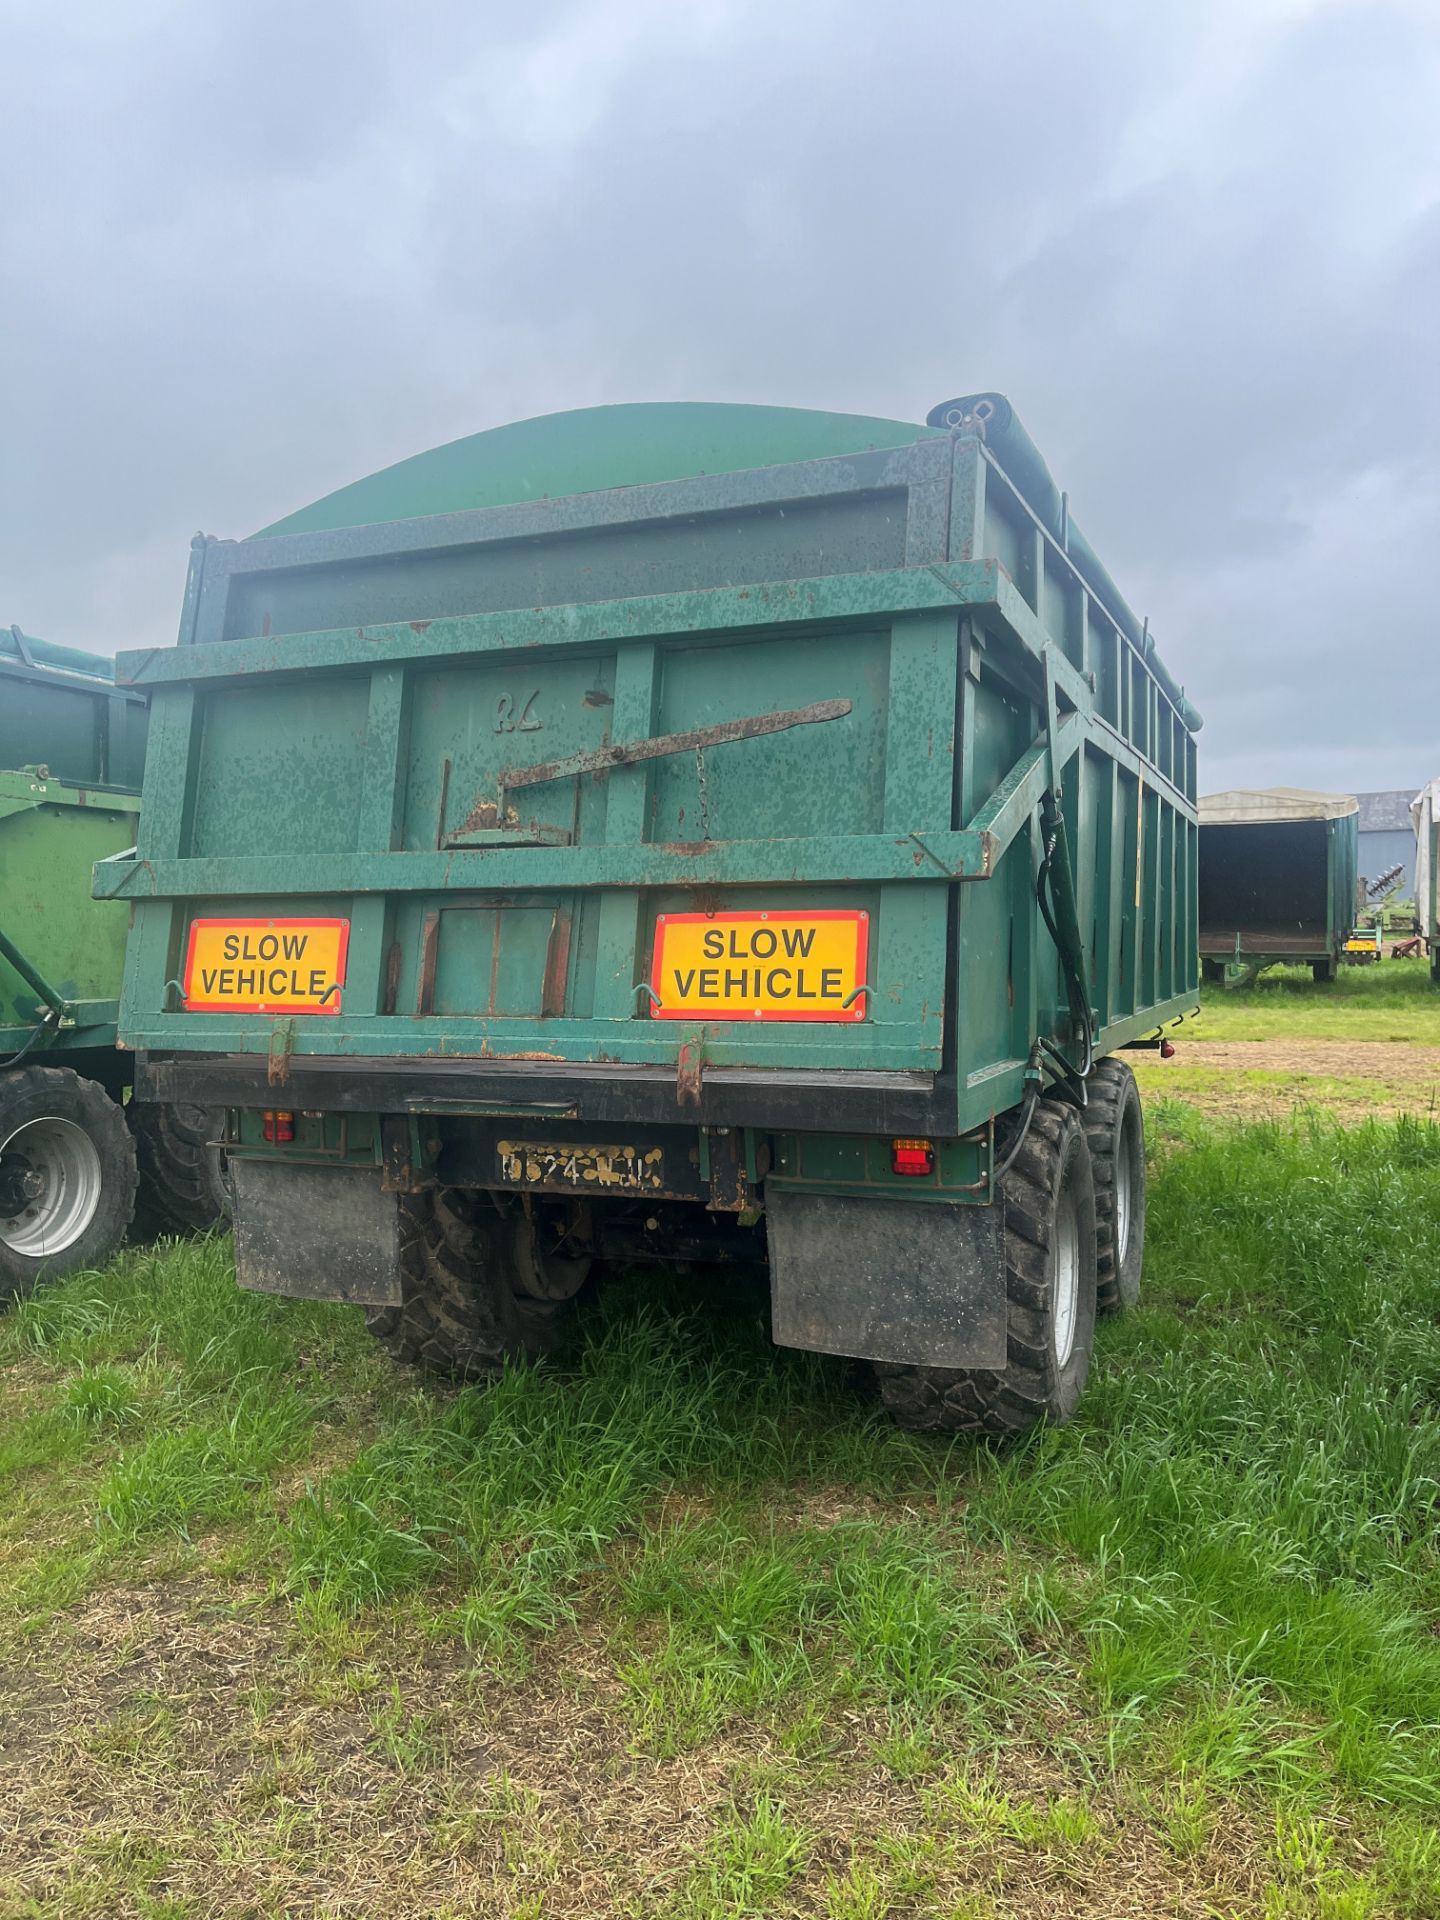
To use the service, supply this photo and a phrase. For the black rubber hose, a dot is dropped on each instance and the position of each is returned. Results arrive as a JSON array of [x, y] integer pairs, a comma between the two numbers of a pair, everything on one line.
[[45, 1031], [1032, 1094], [1074, 990]]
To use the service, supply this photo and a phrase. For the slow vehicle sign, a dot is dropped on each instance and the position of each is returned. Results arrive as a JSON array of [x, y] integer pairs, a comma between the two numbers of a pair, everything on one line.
[[760, 966], [265, 966]]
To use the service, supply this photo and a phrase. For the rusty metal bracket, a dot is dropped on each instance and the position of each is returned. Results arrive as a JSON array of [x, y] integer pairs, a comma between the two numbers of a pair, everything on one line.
[[660, 746], [403, 1168], [282, 1044], [689, 1068], [723, 1167], [498, 823]]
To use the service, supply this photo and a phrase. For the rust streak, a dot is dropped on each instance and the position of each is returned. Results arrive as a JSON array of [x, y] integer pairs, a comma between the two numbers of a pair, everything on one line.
[[557, 966], [429, 943], [484, 814]]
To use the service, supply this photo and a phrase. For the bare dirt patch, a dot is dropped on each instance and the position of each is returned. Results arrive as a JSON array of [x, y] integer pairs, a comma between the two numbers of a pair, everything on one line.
[[1256, 1079], [180, 1750]]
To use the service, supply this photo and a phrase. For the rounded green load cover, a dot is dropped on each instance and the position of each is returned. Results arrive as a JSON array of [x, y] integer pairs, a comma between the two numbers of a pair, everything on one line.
[[19, 649], [593, 448]]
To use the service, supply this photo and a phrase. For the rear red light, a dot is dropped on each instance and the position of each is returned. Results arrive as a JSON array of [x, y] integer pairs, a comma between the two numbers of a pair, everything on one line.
[[912, 1157], [278, 1127]]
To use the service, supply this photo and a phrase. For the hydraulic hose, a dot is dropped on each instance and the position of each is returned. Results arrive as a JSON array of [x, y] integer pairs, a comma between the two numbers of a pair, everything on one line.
[[1061, 919], [1027, 1114], [45, 1032]]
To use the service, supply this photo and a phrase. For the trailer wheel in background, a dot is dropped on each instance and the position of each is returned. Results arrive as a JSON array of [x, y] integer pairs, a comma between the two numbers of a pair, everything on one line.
[[1212, 972], [465, 1309], [184, 1186], [67, 1176], [1115, 1129], [1049, 1199], [1324, 972]]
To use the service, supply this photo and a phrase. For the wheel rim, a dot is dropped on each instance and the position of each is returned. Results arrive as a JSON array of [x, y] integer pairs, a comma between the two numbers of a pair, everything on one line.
[[56, 1168], [1067, 1275], [1124, 1188]]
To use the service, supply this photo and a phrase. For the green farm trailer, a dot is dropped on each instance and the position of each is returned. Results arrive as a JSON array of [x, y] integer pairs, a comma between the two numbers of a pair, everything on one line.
[[1279, 879], [72, 747], [684, 833]]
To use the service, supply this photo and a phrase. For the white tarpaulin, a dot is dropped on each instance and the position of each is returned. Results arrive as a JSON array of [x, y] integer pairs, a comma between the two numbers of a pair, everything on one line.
[[1260, 806], [1425, 812]]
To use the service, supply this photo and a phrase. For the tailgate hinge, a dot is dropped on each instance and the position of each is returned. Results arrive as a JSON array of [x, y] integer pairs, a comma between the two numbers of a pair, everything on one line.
[[689, 1066]]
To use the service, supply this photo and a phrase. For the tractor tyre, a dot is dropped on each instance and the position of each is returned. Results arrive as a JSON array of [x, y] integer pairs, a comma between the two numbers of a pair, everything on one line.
[[469, 1303], [1115, 1129], [184, 1182], [67, 1176], [1048, 1194]]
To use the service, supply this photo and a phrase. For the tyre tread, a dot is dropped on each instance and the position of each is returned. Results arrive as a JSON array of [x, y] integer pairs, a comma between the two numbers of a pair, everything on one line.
[[458, 1314], [178, 1186], [1108, 1089]]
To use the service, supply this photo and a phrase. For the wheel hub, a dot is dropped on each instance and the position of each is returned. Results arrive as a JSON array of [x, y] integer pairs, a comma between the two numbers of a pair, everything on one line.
[[20, 1183], [50, 1187]]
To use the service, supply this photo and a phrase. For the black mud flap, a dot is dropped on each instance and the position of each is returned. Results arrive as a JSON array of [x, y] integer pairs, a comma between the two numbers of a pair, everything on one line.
[[316, 1233], [917, 1283]]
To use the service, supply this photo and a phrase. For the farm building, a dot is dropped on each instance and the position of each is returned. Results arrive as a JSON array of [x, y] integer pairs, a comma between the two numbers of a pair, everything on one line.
[[1387, 836]]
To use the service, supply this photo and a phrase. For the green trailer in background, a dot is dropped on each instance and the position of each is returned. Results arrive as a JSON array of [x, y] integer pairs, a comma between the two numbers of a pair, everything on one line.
[[1425, 812], [72, 750], [685, 833], [1279, 879]]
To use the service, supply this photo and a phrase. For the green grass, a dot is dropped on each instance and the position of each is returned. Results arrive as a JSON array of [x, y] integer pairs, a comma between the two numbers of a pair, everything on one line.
[[913, 1675], [1395, 1000]]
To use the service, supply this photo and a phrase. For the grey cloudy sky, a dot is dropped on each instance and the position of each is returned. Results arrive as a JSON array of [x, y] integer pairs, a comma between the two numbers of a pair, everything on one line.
[[253, 251]]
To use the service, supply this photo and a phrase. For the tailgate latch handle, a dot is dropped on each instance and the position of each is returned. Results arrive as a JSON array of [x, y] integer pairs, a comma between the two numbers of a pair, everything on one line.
[[661, 745]]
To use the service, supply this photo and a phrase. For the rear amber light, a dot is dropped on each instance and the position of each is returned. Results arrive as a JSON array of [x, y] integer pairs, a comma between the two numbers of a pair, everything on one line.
[[277, 1127], [915, 1157]]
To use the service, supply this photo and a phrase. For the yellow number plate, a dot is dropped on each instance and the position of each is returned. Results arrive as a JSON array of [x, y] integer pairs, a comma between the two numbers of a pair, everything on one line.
[[541, 1163], [760, 966], [265, 966]]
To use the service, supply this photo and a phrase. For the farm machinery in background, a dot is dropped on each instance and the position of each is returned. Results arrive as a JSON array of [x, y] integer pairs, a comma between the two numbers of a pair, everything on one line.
[[1365, 943], [80, 1163]]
